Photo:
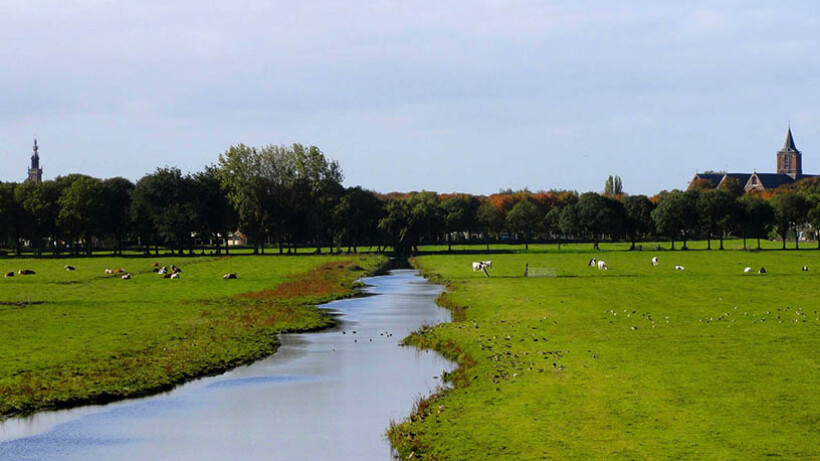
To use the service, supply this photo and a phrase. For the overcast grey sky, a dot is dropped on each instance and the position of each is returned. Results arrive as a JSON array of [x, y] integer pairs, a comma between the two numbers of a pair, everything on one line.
[[409, 95]]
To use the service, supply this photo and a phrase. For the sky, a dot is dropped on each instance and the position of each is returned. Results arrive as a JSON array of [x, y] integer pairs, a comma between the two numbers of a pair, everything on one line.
[[456, 96]]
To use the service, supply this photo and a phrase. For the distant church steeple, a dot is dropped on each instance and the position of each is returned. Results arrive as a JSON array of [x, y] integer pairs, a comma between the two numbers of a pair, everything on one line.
[[35, 173], [789, 159]]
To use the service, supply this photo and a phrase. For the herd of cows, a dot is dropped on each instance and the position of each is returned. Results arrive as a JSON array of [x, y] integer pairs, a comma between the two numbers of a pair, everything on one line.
[[172, 272], [601, 265]]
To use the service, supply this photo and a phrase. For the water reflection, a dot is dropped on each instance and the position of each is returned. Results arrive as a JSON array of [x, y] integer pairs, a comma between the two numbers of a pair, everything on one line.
[[327, 395]]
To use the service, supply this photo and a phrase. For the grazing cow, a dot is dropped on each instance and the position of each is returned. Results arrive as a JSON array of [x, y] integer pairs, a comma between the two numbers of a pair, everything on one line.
[[126, 276], [175, 275], [10, 274], [747, 270], [487, 264], [230, 276], [602, 265], [655, 261], [26, 272], [69, 268], [678, 268], [108, 271], [762, 270], [592, 262], [477, 267]]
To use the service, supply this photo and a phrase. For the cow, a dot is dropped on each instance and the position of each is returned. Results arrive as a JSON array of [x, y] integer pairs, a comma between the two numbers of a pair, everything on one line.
[[69, 268], [126, 276], [230, 276], [119, 271], [762, 270], [747, 270], [175, 275], [26, 272], [108, 271], [592, 262], [155, 265], [10, 274], [655, 261], [477, 266], [167, 276], [602, 265], [487, 264], [678, 268]]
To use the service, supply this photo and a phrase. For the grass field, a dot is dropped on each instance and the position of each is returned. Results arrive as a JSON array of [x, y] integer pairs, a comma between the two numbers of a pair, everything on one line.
[[73, 337], [637, 362]]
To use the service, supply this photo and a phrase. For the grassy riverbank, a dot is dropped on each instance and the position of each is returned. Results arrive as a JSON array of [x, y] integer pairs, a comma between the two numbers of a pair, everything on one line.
[[74, 337], [638, 362]]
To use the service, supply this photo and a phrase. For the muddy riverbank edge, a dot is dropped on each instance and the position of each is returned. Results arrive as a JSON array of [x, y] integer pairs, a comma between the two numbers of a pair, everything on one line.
[[406, 443]]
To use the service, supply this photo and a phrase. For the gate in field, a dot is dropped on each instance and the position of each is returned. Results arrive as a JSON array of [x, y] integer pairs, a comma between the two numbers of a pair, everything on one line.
[[540, 271]]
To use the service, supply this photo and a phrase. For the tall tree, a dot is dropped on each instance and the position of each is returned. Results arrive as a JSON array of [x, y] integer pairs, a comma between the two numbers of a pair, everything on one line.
[[168, 199], [569, 222], [718, 212], [41, 203], [238, 170], [756, 216], [676, 215], [523, 219], [599, 216], [358, 212], [491, 220], [790, 213], [13, 217], [638, 217], [459, 216], [322, 180], [116, 219], [613, 186], [215, 217], [82, 207]]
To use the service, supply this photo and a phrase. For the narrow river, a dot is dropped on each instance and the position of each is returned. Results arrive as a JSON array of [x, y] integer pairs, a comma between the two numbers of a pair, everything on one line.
[[322, 396]]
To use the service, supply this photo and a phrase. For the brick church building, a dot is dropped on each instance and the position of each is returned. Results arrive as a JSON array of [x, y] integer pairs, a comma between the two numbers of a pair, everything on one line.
[[789, 170]]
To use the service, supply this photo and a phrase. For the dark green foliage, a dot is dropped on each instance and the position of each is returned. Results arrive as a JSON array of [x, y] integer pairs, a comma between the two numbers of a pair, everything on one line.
[[676, 215], [524, 220], [637, 217]]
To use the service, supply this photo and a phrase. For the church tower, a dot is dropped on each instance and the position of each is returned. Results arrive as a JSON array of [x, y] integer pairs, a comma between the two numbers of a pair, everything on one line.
[[35, 173], [789, 159]]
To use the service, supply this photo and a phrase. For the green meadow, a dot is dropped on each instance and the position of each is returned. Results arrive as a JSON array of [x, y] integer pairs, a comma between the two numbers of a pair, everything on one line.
[[636, 362], [74, 337]]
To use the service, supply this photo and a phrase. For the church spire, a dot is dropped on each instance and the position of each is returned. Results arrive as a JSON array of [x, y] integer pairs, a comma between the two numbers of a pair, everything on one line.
[[788, 145], [35, 173]]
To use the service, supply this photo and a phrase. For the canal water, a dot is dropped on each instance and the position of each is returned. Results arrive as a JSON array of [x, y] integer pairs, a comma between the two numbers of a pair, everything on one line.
[[323, 396]]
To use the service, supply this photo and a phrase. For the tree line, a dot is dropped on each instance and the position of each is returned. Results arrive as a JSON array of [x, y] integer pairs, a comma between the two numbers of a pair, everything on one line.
[[289, 197]]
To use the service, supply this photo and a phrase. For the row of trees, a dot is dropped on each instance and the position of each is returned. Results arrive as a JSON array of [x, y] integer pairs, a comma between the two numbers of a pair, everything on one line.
[[274, 194], [292, 196]]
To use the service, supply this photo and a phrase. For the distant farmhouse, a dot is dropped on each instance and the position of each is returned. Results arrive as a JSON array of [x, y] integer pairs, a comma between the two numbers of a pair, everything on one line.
[[789, 170], [35, 173]]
